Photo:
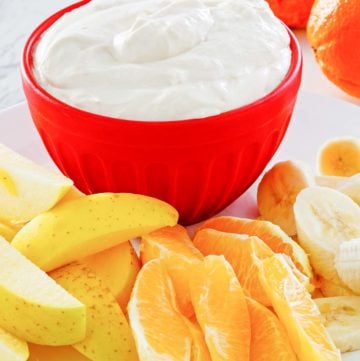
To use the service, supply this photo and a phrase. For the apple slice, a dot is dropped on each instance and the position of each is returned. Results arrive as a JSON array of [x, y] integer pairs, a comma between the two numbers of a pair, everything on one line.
[[117, 267], [33, 307], [12, 348], [8, 231], [108, 335], [27, 189], [84, 226]]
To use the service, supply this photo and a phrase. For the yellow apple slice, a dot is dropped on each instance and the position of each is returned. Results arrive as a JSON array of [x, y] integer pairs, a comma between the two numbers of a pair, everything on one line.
[[84, 226], [27, 189], [108, 334], [8, 230], [33, 307], [12, 348], [118, 267]]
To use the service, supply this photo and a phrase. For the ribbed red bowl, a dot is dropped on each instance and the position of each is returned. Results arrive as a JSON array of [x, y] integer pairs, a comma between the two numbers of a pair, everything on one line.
[[199, 166]]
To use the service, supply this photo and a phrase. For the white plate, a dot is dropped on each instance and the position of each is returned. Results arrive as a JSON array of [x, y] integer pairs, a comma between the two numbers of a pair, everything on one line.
[[316, 119]]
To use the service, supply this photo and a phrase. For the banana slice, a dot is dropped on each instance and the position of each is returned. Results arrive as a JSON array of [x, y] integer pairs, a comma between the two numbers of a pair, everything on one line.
[[277, 192], [331, 181], [351, 187], [347, 263], [341, 316], [325, 218], [340, 157]]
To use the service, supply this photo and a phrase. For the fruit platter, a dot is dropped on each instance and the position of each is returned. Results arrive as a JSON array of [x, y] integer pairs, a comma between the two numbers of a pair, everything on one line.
[[119, 266], [168, 193]]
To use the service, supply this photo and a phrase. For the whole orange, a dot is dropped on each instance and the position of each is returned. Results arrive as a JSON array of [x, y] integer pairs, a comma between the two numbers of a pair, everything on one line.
[[334, 34], [294, 13]]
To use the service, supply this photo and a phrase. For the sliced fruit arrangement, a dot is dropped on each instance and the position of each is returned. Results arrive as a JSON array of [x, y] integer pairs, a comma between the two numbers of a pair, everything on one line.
[[73, 312], [240, 289], [327, 219]]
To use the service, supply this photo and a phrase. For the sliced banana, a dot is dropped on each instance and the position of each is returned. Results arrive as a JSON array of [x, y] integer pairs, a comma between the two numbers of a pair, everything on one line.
[[341, 316], [340, 157], [324, 218], [351, 187], [347, 264], [331, 181], [277, 192]]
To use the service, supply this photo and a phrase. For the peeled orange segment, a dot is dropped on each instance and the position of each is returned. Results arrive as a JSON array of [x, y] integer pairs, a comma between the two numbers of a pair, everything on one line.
[[168, 242], [271, 234], [159, 329], [221, 310], [268, 335], [199, 350], [174, 246], [297, 312], [242, 252]]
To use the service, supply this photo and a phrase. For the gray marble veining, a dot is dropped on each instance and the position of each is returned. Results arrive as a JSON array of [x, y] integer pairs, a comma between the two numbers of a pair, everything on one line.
[[17, 19]]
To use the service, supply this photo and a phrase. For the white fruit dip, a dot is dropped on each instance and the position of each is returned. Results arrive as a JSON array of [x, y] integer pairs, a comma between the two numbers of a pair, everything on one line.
[[163, 59]]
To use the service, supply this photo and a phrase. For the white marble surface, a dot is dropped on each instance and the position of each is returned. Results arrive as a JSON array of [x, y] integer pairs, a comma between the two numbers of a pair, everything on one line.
[[19, 17]]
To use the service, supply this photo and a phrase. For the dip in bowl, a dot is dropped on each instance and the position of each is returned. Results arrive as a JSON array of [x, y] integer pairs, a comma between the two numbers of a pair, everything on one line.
[[201, 158]]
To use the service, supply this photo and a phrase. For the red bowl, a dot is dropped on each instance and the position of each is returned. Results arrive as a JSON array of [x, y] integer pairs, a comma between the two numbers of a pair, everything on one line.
[[199, 166]]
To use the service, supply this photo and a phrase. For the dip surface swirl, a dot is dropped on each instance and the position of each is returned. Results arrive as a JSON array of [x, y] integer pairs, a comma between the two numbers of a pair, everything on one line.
[[163, 59]]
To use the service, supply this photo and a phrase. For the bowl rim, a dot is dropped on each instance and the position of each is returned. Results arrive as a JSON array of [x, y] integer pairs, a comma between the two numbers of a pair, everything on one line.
[[28, 77]]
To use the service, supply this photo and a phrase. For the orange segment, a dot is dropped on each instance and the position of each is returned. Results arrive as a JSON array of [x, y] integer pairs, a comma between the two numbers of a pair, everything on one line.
[[199, 350], [221, 310], [271, 234], [297, 312], [159, 329], [242, 252], [268, 336], [175, 247]]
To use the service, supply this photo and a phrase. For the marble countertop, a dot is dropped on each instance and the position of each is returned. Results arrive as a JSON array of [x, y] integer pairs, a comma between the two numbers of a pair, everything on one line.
[[19, 17]]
